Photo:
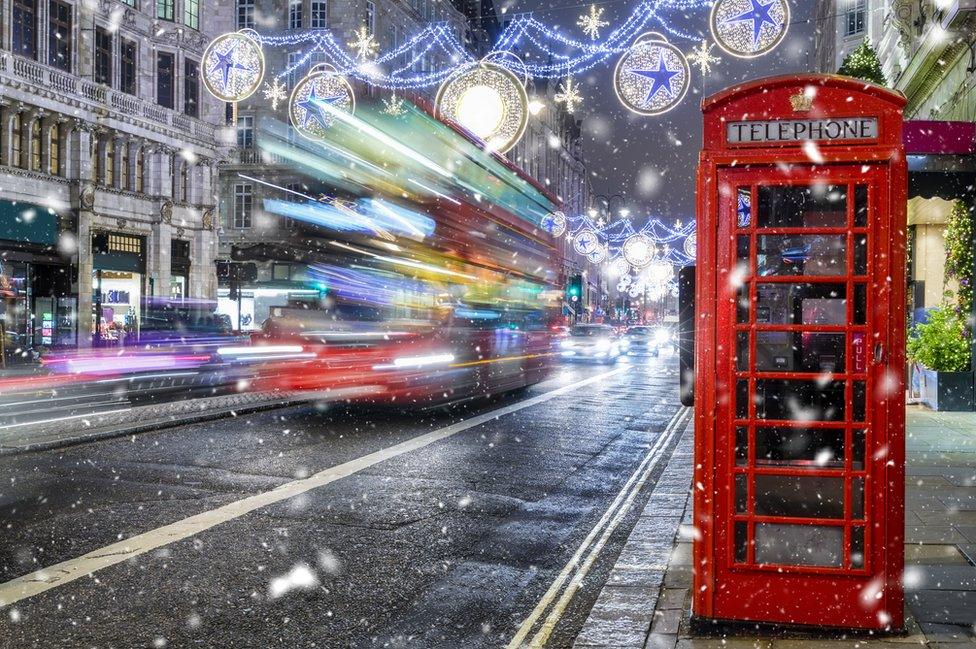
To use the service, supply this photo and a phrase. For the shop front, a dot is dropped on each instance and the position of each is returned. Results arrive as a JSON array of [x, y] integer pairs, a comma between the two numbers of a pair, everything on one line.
[[119, 287], [38, 310]]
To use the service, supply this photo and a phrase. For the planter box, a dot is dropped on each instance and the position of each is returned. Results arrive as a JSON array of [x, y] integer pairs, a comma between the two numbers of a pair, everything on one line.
[[947, 391]]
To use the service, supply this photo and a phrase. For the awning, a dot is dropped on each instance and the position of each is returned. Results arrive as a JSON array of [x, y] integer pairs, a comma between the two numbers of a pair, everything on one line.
[[941, 159], [24, 222]]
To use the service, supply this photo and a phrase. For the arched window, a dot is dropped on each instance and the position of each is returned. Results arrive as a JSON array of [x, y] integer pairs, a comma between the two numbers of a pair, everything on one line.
[[124, 165], [109, 173], [54, 150], [35, 145]]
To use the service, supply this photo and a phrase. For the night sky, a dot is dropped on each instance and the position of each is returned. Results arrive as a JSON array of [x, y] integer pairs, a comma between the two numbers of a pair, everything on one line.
[[651, 160]]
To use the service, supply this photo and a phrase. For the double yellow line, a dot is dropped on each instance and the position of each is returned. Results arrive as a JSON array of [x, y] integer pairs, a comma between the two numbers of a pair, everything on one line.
[[569, 580]]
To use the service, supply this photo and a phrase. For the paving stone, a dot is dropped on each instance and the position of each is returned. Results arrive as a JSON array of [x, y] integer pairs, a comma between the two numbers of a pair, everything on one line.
[[621, 616], [672, 598], [622, 576], [947, 632], [723, 643], [667, 621], [941, 606], [661, 641], [933, 534], [943, 577], [934, 554]]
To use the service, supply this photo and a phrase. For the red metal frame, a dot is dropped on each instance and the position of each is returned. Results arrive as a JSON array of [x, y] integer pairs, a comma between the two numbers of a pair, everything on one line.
[[731, 587]]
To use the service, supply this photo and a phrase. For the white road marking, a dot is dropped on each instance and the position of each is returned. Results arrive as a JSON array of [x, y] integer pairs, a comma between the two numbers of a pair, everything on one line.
[[617, 511], [45, 579]]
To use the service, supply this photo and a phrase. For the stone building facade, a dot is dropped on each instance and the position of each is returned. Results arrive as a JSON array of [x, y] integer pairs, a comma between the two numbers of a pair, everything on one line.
[[107, 166]]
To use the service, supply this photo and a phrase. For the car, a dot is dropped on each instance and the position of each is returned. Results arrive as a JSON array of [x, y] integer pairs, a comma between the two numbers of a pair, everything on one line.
[[593, 342], [647, 340]]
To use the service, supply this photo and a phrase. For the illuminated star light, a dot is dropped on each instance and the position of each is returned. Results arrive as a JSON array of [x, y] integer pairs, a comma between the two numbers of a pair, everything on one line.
[[275, 93], [702, 57], [660, 78], [568, 94], [365, 45], [314, 107], [226, 64], [592, 23], [758, 14]]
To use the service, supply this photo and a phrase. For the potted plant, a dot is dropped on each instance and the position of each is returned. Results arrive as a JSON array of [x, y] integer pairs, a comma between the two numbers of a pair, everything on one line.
[[941, 346]]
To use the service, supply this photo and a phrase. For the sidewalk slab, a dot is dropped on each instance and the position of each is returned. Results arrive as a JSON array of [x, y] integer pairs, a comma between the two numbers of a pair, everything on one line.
[[940, 557]]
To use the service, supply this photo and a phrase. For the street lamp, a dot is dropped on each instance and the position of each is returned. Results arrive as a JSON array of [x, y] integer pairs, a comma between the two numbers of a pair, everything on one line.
[[608, 204]]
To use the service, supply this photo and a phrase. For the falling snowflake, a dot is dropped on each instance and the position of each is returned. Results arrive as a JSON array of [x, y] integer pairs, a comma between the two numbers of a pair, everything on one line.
[[365, 45], [275, 93], [393, 106], [592, 22], [702, 57], [568, 94]]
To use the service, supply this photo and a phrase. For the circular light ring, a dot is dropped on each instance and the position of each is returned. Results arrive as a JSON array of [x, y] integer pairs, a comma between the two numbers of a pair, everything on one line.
[[323, 86], [555, 223], [638, 250], [597, 255], [587, 241], [651, 77], [462, 95], [659, 272], [691, 246], [621, 267], [233, 67], [749, 28]]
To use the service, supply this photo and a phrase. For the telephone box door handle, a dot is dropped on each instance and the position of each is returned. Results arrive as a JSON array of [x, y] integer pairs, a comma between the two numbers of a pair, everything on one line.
[[878, 353]]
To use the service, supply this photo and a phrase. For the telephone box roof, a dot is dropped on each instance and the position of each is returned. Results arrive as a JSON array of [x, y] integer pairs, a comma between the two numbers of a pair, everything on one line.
[[831, 80]]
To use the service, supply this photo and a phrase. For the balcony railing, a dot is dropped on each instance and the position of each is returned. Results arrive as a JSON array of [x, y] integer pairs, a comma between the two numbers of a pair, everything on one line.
[[47, 77]]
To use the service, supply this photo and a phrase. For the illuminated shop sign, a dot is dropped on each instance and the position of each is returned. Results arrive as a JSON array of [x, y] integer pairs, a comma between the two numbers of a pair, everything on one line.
[[801, 130]]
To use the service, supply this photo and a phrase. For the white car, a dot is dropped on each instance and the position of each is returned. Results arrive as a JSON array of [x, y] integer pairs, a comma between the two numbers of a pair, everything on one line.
[[593, 342]]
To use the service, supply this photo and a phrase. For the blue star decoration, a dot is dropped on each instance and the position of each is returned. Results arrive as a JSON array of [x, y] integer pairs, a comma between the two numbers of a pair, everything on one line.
[[314, 107], [758, 14], [660, 78], [226, 64]]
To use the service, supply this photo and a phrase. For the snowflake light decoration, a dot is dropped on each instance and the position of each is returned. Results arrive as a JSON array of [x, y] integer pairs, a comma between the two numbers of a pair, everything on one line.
[[651, 77], [592, 22], [276, 93], [394, 106], [233, 67], [749, 28], [568, 94], [364, 43], [702, 57]]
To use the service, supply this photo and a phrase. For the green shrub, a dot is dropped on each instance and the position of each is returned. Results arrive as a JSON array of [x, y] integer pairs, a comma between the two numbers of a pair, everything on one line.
[[941, 344]]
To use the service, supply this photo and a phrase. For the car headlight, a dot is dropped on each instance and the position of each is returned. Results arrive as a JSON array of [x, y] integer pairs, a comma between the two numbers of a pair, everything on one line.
[[566, 344], [662, 335], [603, 345]]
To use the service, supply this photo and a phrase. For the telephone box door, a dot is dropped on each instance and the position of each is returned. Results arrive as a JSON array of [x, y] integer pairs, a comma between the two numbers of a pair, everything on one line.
[[801, 314]]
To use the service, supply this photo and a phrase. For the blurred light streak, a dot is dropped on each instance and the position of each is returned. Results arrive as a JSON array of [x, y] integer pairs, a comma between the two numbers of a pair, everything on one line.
[[405, 362], [433, 191], [403, 262]]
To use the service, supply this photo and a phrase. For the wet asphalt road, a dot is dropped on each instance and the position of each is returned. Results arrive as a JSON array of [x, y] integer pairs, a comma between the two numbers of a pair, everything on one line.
[[449, 545]]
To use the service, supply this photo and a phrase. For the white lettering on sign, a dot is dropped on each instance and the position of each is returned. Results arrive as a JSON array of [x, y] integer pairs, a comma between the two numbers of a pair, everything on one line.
[[799, 130]]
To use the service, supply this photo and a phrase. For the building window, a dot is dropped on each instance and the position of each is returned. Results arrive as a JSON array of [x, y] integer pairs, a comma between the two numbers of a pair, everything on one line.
[[320, 14], [164, 9], [59, 43], [103, 56], [164, 79], [371, 16], [35, 145], [140, 169], [295, 10], [281, 272], [245, 14], [108, 176], [124, 166], [127, 67], [24, 28], [293, 72], [16, 141], [245, 131], [191, 13], [54, 150], [191, 88], [854, 17], [243, 200]]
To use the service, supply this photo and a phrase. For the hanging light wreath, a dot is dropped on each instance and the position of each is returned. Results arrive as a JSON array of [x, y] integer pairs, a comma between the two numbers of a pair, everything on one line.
[[555, 223], [749, 28], [587, 242], [315, 99], [487, 100], [233, 66], [652, 76], [638, 250]]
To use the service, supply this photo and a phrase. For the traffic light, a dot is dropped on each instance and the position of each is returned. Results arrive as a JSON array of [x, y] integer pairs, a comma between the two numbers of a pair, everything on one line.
[[574, 293]]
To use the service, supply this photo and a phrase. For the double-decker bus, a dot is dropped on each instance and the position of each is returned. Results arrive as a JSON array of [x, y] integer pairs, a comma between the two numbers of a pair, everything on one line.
[[439, 282]]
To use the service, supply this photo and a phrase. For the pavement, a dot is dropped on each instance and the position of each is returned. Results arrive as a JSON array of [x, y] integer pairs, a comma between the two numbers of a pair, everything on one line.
[[646, 601], [340, 526]]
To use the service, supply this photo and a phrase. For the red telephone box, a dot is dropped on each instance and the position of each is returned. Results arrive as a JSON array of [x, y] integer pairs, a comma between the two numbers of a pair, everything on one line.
[[799, 388]]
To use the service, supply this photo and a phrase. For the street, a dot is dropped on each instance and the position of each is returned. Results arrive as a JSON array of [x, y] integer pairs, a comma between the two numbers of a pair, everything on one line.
[[338, 526]]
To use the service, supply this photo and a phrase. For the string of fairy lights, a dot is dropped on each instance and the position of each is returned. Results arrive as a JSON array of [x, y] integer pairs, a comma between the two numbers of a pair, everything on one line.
[[487, 96]]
